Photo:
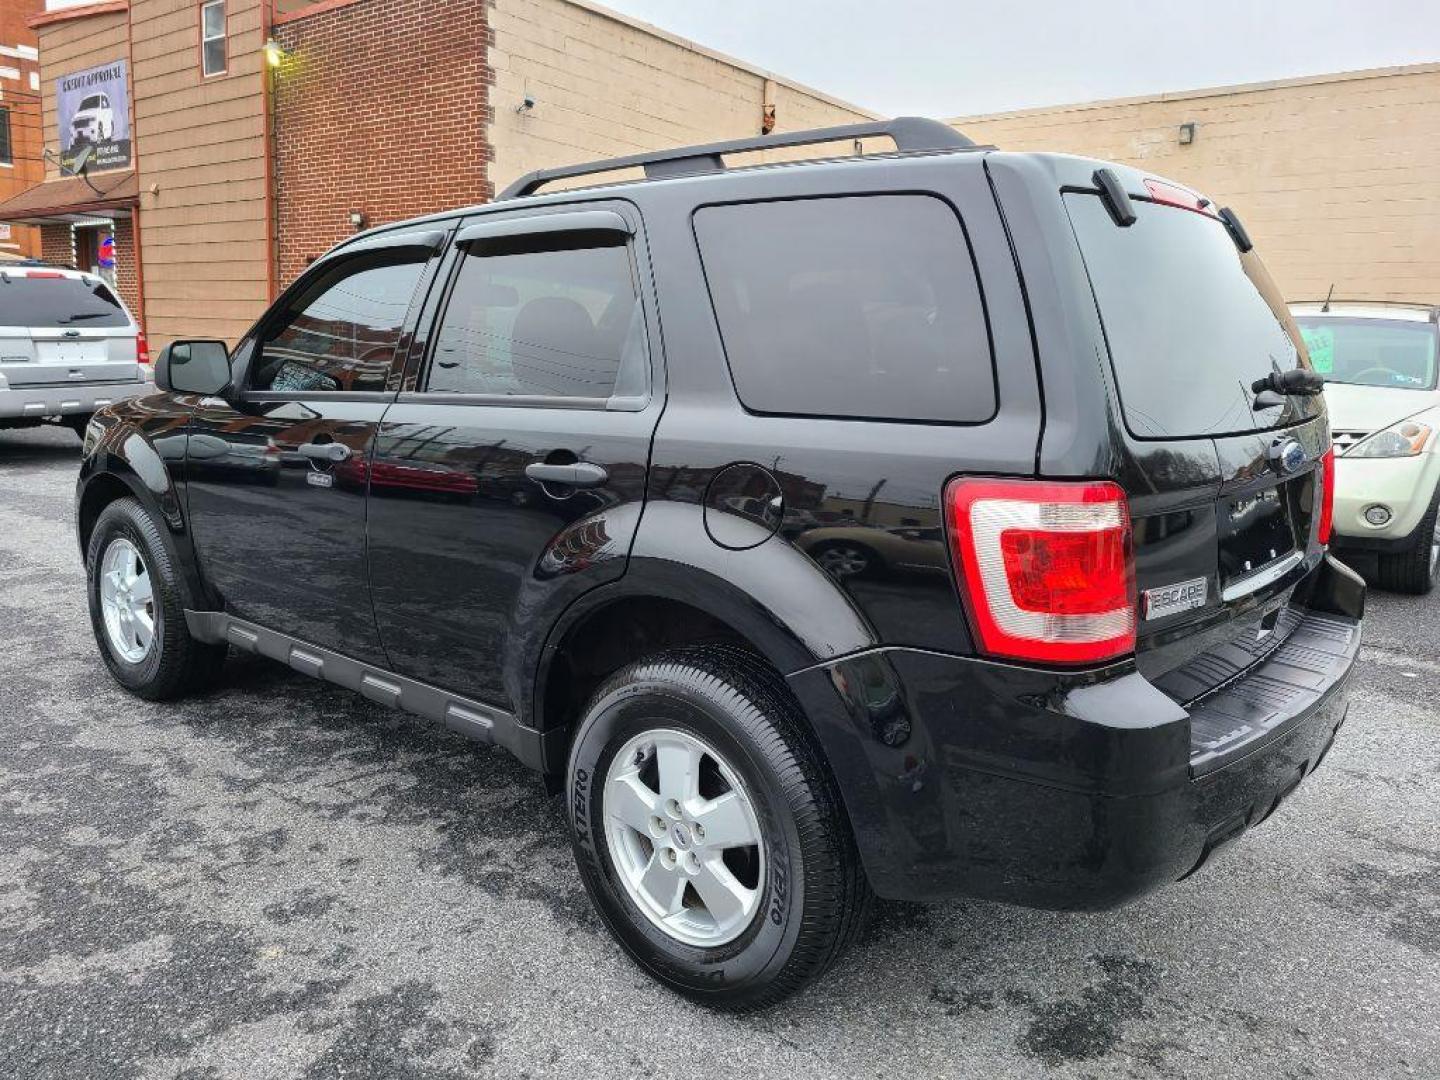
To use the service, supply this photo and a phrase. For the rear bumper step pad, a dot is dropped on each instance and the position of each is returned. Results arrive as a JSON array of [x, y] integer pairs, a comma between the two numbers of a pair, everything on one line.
[[1243, 715]]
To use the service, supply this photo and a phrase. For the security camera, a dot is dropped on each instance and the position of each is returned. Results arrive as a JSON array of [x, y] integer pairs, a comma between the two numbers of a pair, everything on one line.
[[526, 105]]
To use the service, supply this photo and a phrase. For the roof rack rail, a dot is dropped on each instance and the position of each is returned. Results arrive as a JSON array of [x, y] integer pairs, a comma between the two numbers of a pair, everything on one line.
[[910, 133]]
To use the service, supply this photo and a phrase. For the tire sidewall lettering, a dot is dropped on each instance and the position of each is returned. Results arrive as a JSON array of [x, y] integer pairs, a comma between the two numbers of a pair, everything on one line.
[[623, 714]]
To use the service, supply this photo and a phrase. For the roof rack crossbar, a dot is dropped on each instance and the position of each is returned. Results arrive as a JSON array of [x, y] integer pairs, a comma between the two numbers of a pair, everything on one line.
[[910, 133]]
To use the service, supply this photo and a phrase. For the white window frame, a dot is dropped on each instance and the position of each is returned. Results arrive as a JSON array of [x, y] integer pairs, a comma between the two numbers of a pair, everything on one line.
[[223, 36]]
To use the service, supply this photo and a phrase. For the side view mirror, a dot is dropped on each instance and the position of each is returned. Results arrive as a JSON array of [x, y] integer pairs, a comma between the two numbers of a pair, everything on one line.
[[193, 367]]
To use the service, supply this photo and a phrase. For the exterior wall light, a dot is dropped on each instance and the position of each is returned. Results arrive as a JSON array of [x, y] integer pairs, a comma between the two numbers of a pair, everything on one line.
[[275, 53], [357, 220], [1187, 133]]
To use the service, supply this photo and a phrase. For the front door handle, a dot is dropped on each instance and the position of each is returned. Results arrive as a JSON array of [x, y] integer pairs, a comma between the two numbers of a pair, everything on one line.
[[580, 474], [332, 452]]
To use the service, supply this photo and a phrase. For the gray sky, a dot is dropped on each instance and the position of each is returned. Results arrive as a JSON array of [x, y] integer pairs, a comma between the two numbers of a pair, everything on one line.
[[961, 57]]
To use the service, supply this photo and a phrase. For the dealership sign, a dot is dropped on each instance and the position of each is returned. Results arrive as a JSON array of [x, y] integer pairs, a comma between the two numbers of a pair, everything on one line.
[[94, 112]]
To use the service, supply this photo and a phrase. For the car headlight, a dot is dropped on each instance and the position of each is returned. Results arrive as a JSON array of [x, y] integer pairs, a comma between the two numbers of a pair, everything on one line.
[[1405, 439]]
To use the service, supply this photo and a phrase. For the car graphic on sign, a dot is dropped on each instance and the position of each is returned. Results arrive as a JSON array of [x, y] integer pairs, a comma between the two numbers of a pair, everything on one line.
[[94, 121]]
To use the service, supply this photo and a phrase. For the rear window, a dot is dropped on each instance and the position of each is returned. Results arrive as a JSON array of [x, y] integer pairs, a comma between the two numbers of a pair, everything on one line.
[[1190, 323], [1371, 352], [41, 302], [863, 307]]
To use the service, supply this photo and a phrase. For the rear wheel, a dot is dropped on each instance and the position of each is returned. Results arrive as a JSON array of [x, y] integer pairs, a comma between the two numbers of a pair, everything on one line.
[[1414, 569], [136, 609], [707, 832]]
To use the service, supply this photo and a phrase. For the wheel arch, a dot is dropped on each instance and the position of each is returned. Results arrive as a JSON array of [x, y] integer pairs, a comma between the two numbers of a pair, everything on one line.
[[127, 465], [660, 604]]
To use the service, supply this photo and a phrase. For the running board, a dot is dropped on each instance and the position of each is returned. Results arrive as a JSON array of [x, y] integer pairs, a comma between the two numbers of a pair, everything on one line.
[[473, 719]]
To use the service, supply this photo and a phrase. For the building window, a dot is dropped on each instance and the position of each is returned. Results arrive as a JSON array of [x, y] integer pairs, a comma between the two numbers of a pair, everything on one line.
[[7, 153], [212, 37]]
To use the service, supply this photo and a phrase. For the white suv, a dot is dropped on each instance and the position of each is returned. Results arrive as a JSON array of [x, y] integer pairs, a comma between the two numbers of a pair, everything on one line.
[[1380, 365], [94, 121], [68, 347]]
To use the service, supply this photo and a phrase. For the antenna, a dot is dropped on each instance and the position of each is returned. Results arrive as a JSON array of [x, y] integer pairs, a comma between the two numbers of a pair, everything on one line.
[[1326, 306]]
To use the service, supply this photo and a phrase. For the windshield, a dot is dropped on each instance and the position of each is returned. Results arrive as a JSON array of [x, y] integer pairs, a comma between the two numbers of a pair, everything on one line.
[[37, 302], [1372, 352], [1190, 322], [90, 103]]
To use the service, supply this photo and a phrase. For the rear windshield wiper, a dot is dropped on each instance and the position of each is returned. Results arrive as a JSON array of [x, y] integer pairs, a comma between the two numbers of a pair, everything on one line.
[[1295, 383], [1271, 391]]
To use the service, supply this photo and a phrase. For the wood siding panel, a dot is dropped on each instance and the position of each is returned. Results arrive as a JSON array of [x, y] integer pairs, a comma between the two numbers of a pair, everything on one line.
[[203, 143]]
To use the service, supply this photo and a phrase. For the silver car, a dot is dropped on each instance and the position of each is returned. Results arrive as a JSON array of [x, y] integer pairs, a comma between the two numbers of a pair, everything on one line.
[[68, 346]]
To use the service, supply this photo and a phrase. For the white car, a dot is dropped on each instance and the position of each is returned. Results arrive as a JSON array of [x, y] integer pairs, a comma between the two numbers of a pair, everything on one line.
[[93, 122], [1380, 365], [68, 347]]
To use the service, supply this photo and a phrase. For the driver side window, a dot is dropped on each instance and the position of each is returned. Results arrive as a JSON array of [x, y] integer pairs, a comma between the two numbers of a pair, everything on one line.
[[340, 333]]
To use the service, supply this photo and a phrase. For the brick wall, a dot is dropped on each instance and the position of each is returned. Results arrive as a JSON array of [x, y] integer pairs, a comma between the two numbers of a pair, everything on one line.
[[57, 245], [127, 281], [606, 85], [1336, 177], [381, 107]]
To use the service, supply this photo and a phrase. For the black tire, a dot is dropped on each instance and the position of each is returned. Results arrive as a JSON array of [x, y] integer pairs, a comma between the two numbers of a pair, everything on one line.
[[1413, 569], [814, 898], [176, 663]]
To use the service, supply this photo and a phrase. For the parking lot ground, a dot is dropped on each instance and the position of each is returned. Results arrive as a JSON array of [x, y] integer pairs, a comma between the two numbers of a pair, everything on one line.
[[280, 880]]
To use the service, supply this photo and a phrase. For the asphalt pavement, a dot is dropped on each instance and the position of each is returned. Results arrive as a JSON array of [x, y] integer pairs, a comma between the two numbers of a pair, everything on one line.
[[281, 880]]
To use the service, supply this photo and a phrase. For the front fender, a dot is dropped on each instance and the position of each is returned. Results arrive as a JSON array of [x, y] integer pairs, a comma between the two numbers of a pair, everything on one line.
[[140, 452]]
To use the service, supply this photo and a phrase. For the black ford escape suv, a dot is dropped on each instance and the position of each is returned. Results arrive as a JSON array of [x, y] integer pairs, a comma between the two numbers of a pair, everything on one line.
[[933, 523]]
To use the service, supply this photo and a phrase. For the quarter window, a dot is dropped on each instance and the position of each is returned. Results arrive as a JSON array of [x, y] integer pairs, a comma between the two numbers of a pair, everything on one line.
[[212, 37], [865, 307], [548, 323], [341, 332]]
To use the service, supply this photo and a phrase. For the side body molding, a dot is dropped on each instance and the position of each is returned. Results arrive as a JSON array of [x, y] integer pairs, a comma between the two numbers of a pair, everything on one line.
[[473, 719]]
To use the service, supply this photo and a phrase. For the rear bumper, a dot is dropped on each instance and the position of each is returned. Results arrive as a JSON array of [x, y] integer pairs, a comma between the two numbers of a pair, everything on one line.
[[964, 777], [76, 399]]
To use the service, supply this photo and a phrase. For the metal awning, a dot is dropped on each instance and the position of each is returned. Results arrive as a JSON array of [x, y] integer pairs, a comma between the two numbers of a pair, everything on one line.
[[72, 201]]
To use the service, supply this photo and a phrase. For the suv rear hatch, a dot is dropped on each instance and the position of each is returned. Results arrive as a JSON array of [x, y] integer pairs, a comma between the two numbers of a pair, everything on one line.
[[61, 329], [1224, 485]]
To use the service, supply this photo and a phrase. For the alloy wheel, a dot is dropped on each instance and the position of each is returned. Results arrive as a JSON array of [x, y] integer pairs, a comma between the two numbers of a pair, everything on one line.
[[684, 837], [127, 601], [843, 561]]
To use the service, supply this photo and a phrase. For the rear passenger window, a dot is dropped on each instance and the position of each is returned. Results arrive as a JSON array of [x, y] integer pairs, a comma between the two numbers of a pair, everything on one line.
[[864, 307], [549, 323]]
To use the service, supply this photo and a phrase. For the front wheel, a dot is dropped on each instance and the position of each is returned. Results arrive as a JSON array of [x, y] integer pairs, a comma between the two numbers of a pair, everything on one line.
[[137, 611], [1414, 568], [707, 831]]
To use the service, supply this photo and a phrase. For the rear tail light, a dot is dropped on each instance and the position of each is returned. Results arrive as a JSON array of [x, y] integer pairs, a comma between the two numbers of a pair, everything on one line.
[[43, 274], [1046, 569], [1327, 495], [142, 348]]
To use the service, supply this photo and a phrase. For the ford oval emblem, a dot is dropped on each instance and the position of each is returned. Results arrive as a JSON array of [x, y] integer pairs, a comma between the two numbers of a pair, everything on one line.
[[1286, 456]]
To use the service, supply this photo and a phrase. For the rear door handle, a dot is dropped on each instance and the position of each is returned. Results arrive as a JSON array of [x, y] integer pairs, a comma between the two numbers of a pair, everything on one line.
[[332, 452], [581, 474]]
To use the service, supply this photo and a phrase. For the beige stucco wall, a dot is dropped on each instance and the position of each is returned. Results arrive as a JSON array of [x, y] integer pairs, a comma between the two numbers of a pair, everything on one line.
[[1336, 177], [606, 85]]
